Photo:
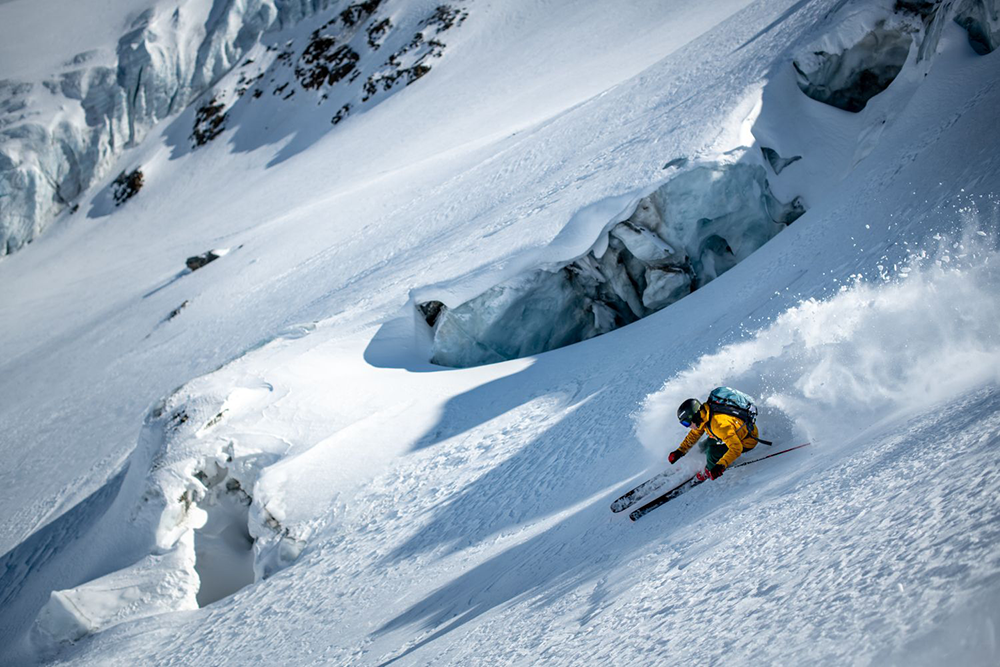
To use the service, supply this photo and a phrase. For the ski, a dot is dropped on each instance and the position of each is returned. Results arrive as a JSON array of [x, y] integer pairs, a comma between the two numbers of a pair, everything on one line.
[[648, 487], [689, 483], [694, 481]]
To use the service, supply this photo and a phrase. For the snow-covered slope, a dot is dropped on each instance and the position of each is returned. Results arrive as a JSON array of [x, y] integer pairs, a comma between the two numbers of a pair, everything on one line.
[[68, 112], [257, 462]]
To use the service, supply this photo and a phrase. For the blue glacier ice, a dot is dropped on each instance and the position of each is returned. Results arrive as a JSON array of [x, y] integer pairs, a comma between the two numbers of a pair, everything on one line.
[[690, 230]]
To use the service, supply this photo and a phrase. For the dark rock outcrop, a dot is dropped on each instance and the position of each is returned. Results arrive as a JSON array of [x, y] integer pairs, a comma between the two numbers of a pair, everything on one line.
[[209, 122], [127, 185], [198, 261]]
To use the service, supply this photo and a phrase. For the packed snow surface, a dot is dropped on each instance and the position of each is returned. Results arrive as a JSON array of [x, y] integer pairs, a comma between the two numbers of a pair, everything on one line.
[[226, 441]]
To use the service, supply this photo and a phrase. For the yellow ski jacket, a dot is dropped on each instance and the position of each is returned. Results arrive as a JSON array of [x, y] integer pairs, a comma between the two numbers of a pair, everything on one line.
[[729, 430]]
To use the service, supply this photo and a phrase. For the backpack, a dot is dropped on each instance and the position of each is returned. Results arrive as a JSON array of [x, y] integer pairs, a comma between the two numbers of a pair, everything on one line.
[[726, 401]]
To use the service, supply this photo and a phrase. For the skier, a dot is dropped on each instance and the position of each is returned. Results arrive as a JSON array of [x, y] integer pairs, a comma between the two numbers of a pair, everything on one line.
[[728, 417]]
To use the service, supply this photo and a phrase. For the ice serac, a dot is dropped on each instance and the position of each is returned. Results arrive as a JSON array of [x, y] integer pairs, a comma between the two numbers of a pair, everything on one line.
[[234, 28], [850, 78], [291, 12], [687, 232], [869, 45], [43, 167], [981, 18]]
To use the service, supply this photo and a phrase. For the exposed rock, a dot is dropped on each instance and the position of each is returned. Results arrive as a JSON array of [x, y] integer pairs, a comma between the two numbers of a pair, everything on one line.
[[325, 63], [358, 12], [177, 311], [446, 17], [377, 31], [411, 62], [341, 114], [198, 261], [126, 185], [209, 122], [430, 311]]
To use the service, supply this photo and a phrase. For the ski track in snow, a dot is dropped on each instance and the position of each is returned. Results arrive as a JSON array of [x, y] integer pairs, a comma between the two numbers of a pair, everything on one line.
[[407, 514]]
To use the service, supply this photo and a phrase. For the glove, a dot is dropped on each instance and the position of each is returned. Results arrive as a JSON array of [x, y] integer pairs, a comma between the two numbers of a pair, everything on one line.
[[715, 472], [675, 456]]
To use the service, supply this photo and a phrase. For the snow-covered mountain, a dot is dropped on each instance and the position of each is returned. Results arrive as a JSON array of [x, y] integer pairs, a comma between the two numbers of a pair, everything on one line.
[[352, 318]]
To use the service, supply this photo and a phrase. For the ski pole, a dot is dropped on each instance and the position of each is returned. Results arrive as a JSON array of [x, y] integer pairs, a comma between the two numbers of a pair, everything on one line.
[[783, 451]]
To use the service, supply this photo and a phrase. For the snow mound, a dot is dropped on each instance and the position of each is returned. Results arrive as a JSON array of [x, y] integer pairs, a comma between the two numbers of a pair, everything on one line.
[[194, 533], [823, 371], [158, 583]]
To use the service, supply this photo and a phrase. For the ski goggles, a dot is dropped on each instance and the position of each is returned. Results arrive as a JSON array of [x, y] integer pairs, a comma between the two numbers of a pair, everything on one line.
[[685, 423]]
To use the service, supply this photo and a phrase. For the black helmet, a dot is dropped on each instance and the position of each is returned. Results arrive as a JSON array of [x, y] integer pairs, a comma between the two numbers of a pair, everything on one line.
[[688, 412]]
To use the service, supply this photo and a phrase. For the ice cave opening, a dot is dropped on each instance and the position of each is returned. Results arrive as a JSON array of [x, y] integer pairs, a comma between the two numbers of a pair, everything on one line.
[[848, 80], [687, 232], [223, 545]]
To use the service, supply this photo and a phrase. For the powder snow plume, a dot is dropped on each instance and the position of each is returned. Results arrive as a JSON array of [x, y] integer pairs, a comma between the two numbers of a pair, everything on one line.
[[826, 370]]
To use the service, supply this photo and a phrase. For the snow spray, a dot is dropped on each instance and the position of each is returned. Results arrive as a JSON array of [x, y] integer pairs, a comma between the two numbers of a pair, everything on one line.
[[826, 370]]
